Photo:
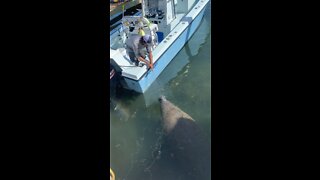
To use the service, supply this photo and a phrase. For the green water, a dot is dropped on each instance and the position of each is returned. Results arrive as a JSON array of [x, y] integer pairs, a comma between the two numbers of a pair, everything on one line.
[[136, 134]]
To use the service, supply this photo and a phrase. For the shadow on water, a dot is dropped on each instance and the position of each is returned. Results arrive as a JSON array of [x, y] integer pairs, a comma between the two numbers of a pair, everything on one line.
[[185, 154]]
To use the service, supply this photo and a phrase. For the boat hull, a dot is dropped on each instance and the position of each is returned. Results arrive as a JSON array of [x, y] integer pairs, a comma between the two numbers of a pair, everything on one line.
[[149, 77]]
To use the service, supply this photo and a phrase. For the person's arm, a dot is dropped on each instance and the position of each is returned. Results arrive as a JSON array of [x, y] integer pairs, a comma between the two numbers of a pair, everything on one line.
[[150, 56], [151, 60], [139, 58], [143, 60]]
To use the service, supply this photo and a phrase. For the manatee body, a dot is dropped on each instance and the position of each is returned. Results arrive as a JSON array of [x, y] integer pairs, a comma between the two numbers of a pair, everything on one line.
[[171, 114], [186, 152]]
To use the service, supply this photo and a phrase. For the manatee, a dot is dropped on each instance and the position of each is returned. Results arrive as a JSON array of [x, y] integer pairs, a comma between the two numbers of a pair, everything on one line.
[[186, 152], [171, 114]]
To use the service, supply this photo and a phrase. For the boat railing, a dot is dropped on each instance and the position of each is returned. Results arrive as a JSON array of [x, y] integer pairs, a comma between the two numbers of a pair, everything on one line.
[[134, 25]]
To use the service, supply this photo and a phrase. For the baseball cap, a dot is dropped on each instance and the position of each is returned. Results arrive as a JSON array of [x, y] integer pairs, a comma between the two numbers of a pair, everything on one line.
[[147, 38]]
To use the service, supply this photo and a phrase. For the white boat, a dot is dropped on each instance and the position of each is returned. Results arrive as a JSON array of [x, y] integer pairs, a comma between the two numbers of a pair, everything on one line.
[[171, 23]]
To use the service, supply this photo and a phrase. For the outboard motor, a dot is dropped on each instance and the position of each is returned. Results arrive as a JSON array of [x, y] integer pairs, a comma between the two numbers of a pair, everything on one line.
[[115, 78], [114, 81]]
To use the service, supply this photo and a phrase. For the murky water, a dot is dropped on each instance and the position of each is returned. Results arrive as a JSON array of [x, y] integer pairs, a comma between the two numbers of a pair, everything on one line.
[[136, 143]]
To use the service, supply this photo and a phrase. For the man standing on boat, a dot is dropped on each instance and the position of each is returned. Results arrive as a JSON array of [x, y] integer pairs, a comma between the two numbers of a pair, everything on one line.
[[136, 46]]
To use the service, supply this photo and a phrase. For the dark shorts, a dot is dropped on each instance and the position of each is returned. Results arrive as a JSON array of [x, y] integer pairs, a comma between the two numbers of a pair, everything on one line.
[[132, 56]]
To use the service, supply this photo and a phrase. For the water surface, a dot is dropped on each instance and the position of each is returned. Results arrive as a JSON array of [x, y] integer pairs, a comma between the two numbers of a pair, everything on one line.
[[136, 136]]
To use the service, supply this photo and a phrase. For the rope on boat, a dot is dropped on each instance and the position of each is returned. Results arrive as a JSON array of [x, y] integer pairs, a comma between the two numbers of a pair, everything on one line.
[[140, 65], [112, 175]]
